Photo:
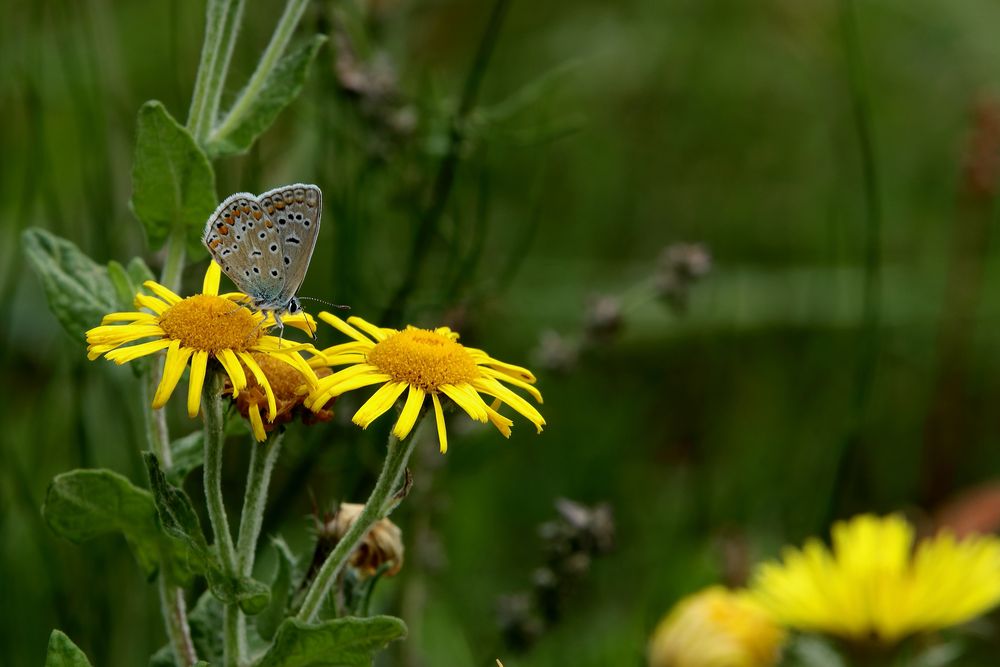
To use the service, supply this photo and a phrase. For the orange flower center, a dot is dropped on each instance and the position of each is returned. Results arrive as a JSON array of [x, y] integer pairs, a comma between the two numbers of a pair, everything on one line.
[[211, 323], [424, 359]]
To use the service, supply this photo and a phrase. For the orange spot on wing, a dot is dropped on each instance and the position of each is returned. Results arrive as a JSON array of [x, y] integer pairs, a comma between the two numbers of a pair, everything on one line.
[[223, 230], [268, 224], [214, 243], [257, 215]]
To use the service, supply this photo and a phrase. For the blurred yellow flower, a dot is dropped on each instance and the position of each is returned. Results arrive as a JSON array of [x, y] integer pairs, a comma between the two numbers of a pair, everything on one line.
[[716, 628], [193, 330], [874, 585], [426, 363]]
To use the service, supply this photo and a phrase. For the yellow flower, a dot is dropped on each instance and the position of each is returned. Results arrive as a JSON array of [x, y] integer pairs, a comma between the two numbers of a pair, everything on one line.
[[874, 585], [716, 628], [193, 330], [426, 363]]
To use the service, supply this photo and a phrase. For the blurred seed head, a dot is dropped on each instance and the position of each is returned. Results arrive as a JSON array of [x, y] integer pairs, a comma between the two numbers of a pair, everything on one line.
[[555, 353], [603, 320], [679, 267], [382, 545], [519, 624]]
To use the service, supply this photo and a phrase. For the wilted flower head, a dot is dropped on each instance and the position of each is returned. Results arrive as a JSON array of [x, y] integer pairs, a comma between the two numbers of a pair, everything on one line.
[[288, 391], [680, 266], [716, 628], [383, 545], [603, 319], [873, 584]]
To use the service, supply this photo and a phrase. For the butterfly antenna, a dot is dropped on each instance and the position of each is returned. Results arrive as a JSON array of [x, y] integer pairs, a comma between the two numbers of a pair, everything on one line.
[[332, 305]]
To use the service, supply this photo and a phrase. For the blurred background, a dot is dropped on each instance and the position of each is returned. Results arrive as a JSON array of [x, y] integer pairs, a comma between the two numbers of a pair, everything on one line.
[[821, 342]]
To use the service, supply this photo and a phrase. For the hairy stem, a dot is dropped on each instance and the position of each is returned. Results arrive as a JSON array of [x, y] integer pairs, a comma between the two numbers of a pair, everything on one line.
[[262, 458], [380, 503], [222, 21], [279, 41], [234, 645], [172, 603]]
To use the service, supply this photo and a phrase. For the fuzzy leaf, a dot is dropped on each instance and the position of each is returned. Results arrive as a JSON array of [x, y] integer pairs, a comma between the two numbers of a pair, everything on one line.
[[188, 456], [78, 289], [173, 183], [281, 590], [64, 653], [342, 642], [180, 520], [83, 504], [255, 111]]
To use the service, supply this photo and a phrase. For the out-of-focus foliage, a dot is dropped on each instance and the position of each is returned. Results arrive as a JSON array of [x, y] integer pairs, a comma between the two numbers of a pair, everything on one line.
[[602, 133]]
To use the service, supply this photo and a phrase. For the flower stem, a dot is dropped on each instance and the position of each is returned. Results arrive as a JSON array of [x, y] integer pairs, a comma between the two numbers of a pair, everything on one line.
[[234, 645], [262, 458], [380, 503], [279, 40], [174, 610], [222, 21], [172, 603]]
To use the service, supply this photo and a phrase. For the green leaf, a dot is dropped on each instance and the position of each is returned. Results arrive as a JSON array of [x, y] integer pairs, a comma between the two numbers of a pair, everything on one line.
[[173, 183], [282, 588], [255, 110], [78, 289], [83, 504], [343, 642], [179, 519], [64, 653]]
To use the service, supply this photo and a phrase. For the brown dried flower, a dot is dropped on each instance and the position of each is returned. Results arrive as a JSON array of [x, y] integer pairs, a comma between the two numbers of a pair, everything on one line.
[[382, 545]]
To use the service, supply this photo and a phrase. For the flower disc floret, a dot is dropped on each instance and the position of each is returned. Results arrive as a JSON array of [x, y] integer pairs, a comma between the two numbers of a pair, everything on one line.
[[424, 359], [211, 323]]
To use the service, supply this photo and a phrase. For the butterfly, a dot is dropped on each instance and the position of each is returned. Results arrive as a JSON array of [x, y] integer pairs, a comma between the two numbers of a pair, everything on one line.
[[264, 243]]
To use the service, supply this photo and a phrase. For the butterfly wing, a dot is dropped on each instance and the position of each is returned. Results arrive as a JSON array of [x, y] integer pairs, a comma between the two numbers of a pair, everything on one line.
[[295, 211], [243, 240]]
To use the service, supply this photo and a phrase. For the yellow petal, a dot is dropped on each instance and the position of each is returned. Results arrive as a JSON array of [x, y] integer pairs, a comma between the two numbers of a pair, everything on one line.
[[162, 292], [319, 398], [510, 379], [380, 401], [173, 369], [234, 369], [411, 409], [210, 285], [199, 362], [257, 424], [258, 373], [367, 327], [151, 302], [343, 327], [472, 404], [125, 354], [439, 418]]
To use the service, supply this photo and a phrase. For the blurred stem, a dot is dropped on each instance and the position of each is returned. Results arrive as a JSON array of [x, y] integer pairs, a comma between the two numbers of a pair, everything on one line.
[[173, 267], [262, 458], [222, 20], [174, 610], [848, 472], [234, 644], [445, 179], [279, 41], [172, 603], [380, 504]]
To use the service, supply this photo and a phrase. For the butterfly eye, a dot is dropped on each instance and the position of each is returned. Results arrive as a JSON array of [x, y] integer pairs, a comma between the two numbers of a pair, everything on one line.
[[293, 307]]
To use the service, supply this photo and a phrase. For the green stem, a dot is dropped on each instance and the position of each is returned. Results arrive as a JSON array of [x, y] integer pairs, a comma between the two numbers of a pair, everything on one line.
[[174, 610], [279, 41], [262, 458], [222, 20], [380, 503], [234, 646], [172, 603], [173, 267]]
